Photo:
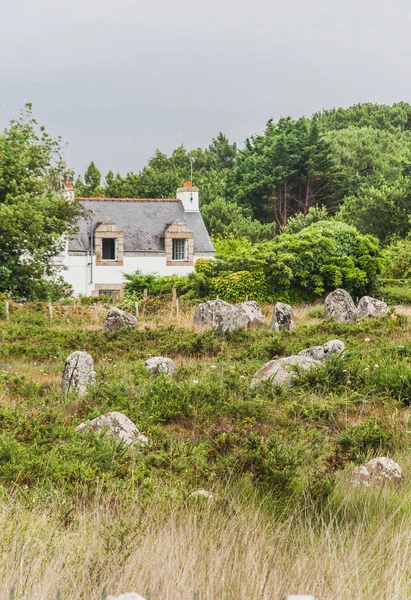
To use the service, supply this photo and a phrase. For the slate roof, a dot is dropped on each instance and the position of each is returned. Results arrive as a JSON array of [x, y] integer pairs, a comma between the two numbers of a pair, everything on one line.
[[143, 222]]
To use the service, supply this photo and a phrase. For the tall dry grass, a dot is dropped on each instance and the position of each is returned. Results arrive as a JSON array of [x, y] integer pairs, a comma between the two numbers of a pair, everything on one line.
[[229, 548]]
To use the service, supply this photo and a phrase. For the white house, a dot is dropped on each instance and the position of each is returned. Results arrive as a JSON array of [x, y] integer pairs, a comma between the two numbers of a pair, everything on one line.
[[123, 235]]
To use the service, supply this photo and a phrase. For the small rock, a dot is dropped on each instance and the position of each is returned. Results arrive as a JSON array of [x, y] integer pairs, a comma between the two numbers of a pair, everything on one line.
[[281, 371], [316, 352], [283, 318], [78, 372], [117, 425], [222, 316], [252, 311], [340, 307], [118, 319], [201, 494], [159, 364], [371, 307], [325, 351], [377, 472], [127, 596], [333, 347]]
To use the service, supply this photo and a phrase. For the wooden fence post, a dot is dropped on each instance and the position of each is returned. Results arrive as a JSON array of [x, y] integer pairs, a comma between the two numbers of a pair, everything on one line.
[[7, 310], [177, 309], [95, 309], [174, 302], [136, 310], [145, 297], [50, 311]]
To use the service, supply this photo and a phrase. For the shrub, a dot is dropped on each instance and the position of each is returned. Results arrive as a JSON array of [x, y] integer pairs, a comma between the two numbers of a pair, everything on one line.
[[156, 285], [234, 287], [292, 267], [397, 260], [366, 438], [395, 291]]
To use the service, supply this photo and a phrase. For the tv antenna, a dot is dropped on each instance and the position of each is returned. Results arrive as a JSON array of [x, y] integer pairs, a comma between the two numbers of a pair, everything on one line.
[[192, 161]]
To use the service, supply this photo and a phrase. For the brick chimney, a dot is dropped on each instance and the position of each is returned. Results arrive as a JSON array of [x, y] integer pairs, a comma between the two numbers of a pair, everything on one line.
[[188, 194]]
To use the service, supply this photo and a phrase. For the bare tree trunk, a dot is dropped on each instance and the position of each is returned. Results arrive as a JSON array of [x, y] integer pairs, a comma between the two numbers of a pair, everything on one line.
[[307, 198]]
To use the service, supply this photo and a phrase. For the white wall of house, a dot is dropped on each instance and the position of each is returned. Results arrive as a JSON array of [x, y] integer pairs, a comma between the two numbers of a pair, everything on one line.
[[83, 279]]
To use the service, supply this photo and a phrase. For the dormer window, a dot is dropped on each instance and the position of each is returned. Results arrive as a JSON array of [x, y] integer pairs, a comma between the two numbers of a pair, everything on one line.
[[179, 244], [109, 244], [179, 249], [109, 249]]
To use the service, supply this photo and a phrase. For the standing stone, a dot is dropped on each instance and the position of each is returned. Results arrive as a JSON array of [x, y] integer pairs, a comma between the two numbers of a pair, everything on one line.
[[201, 494], [78, 372], [340, 307], [325, 351], [222, 316], [281, 371], [371, 307], [378, 472], [283, 317], [118, 319], [252, 311], [159, 364], [116, 424]]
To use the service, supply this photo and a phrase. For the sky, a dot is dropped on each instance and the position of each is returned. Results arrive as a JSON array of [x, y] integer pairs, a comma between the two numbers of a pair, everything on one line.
[[118, 79]]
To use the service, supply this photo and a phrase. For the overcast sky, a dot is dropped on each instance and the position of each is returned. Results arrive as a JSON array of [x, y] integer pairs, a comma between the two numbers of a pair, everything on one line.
[[118, 79]]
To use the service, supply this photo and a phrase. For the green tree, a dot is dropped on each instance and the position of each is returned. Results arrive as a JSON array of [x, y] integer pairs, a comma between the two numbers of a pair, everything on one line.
[[220, 154], [92, 183], [284, 171], [33, 217], [164, 173], [301, 221], [226, 219], [377, 116], [380, 211], [370, 157]]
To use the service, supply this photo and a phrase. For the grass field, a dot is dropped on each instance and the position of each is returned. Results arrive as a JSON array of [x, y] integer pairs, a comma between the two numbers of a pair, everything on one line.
[[82, 513]]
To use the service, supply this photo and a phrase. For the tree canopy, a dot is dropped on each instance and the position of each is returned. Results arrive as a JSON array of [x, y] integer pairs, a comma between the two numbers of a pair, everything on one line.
[[353, 163], [34, 214]]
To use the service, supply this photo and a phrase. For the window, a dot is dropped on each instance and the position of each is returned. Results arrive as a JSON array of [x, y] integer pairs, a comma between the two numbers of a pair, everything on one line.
[[109, 247], [109, 293], [179, 249]]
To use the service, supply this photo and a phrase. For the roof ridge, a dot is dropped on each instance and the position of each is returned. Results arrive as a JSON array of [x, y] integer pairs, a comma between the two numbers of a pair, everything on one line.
[[131, 199]]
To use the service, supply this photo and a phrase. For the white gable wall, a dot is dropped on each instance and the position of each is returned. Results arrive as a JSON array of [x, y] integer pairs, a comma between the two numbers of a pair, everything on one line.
[[78, 274]]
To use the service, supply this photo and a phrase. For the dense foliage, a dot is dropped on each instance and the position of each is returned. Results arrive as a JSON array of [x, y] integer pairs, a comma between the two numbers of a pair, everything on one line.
[[397, 260], [347, 165], [354, 162], [33, 212], [291, 267]]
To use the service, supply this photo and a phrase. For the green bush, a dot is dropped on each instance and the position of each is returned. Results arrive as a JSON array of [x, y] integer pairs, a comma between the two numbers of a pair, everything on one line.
[[235, 287], [397, 260], [395, 291], [292, 267], [366, 438], [155, 285]]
